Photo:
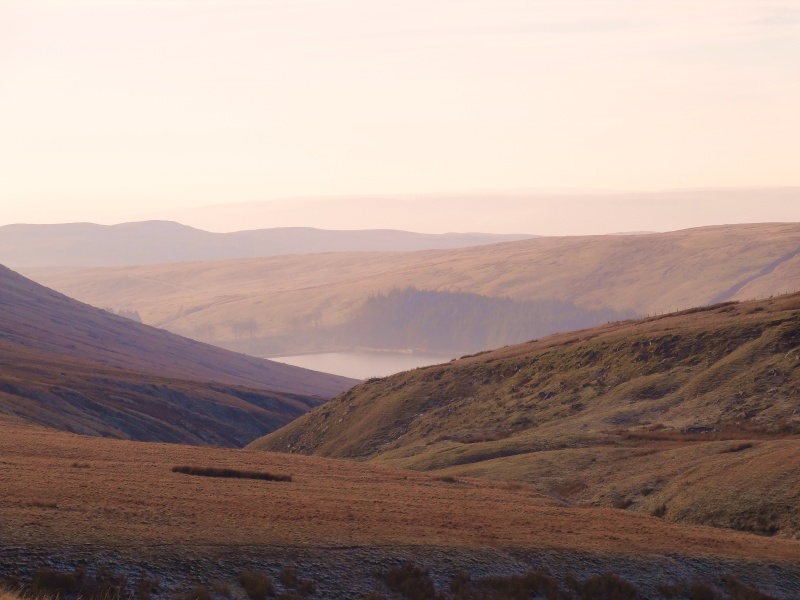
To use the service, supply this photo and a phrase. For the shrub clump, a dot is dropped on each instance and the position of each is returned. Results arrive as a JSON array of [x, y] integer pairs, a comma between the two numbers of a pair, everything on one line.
[[742, 591], [145, 587], [513, 587], [412, 581], [607, 587], [446, 479], [291, 581], [104, 584], [704, 590], [257, 585], [198, 592], [659, 511], [53, 582], [231, 473], [738, 447]]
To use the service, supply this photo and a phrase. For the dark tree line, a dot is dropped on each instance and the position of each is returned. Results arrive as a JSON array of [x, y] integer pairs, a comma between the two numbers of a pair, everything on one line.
[[461, 322]]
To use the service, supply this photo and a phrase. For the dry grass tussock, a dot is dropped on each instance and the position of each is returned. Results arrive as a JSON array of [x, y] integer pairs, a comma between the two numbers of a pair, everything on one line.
[[7, 595], [415, 582]]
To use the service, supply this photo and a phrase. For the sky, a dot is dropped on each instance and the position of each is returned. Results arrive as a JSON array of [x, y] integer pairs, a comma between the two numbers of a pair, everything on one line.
[[112, 109]]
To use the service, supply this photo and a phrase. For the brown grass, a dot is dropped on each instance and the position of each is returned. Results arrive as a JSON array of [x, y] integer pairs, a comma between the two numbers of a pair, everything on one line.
[[133, 500]]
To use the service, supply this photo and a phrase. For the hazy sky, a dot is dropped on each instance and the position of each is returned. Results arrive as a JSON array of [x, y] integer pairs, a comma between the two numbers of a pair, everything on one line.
[[111, 109]]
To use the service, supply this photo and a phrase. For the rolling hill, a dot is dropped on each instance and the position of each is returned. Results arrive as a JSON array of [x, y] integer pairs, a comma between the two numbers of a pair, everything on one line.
[[74, 367], [551, 212], [692, 417], [154, 242], [290, 304]]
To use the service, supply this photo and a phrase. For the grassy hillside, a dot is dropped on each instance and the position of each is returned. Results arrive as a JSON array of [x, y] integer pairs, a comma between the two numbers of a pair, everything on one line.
[[293, 303], [74, 367], [338, 521], [691, 416]]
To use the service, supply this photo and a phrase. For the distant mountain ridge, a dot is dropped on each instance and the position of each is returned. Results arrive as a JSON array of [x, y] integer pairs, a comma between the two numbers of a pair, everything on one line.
[[155, 242], [77, 368], [547, 212]]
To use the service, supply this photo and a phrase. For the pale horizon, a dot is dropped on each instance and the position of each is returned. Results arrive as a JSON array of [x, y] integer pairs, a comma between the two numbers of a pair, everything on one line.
[[111, 110], [547, 213]]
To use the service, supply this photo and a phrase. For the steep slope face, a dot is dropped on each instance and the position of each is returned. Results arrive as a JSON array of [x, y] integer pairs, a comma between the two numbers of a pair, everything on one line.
[[564, 412], [296, 300], [153, 242], [41, 319], [74, 367]]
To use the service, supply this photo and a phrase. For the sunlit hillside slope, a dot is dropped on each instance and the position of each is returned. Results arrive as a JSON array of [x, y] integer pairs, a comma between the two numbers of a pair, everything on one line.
[[692, 416]]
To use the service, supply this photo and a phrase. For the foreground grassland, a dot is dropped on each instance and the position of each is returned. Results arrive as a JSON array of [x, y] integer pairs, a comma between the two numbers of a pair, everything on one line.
[[68, 498], [691, 417], [113, 493]]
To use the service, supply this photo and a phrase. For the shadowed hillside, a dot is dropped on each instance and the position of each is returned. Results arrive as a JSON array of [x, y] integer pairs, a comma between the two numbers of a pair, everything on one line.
[[70, 366], [293, 304], [153, 242], [692, 417]]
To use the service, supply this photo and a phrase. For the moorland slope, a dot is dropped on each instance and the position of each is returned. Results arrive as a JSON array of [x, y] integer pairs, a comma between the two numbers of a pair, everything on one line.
[[690, 416], [297, 303], [75, 367]]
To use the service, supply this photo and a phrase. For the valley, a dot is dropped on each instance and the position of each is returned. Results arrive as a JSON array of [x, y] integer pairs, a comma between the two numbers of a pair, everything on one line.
[[379, 300], [289, 305], [658, 455]]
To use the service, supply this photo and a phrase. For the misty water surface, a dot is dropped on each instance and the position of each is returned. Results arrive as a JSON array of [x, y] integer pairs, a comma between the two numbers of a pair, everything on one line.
[[363, 364]]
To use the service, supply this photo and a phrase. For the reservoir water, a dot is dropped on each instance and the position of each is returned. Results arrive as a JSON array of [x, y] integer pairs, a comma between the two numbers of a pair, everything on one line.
[[362, 364]]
